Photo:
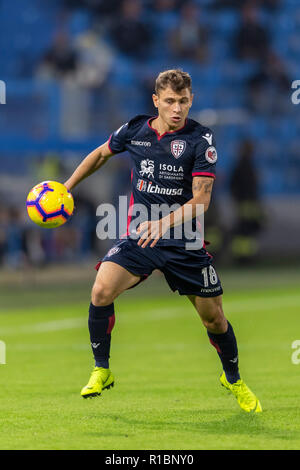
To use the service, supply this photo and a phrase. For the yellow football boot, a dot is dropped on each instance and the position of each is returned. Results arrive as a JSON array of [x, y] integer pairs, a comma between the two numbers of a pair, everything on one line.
[[100, 379], [245, 397]]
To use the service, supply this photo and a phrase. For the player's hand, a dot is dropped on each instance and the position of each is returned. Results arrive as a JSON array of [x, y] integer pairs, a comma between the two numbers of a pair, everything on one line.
[[151, 231]]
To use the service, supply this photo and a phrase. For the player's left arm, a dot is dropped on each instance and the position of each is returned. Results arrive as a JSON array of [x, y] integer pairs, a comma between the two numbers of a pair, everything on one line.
[[202, 189], [154, 230]]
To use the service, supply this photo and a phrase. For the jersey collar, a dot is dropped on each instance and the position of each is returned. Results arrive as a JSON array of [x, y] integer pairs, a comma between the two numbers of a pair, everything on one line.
[[168, 132]]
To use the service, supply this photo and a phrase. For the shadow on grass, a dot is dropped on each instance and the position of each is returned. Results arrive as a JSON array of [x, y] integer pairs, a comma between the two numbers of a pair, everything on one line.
[[257, 425]]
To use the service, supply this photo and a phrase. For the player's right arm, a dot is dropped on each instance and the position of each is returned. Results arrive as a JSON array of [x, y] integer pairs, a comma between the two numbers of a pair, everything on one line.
[[89, 165]]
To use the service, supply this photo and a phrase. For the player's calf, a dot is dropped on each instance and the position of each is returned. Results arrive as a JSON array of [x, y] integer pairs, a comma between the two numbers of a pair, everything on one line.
[[101, 322], [216, 325], [111, 281], [220, 334], [226, 346], [211, 313]]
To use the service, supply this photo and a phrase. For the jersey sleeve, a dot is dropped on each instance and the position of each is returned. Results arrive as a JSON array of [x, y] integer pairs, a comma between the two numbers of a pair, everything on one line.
[[206, 156], [117, 140]]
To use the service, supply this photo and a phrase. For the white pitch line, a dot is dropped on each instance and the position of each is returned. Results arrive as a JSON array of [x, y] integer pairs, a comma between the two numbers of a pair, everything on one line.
[[79, 322], [148, 315], [45, 327]]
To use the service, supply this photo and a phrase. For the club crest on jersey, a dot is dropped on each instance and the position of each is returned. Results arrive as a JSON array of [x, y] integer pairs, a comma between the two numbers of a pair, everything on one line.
[[211, 154], [178, 147]]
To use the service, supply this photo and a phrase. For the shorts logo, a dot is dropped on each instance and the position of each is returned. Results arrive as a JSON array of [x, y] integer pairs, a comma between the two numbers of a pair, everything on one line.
[[211, 155], [147, 168], [178, 147], [113, 251]]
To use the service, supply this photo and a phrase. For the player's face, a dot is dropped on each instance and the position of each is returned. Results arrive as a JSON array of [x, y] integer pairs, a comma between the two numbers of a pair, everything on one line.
[[173, 107]]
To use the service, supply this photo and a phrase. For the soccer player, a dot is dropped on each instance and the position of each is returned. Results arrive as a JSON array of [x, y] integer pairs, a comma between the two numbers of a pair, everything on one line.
[[173, 162]]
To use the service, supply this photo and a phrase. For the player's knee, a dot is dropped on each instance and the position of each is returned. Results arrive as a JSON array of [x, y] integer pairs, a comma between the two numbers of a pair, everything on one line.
[[102, 295], [215, 321], [214, 325]]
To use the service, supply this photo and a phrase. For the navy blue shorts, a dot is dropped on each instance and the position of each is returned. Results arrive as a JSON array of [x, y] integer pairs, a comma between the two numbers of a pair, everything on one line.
[[189, 272]]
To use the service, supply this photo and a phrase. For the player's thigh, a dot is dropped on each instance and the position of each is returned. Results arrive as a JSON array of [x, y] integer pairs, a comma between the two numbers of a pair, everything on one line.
[[111, 280], [211, 312]]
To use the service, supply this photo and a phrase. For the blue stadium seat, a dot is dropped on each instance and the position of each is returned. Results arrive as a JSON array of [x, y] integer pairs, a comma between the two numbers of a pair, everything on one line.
[[79, 22], [258, 128], [25, 34], [225, 22], [122, 73]]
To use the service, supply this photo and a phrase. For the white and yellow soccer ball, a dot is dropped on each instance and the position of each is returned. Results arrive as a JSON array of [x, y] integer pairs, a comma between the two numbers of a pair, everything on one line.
[[49, 204]]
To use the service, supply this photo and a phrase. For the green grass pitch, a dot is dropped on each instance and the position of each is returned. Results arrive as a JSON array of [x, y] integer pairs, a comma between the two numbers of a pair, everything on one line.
[[167, 393]]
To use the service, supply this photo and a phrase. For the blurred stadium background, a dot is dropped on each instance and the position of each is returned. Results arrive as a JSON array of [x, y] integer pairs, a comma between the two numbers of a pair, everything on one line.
[[76, 70]]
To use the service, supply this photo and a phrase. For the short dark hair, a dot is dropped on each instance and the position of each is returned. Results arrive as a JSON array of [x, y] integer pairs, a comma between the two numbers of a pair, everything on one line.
[[175, 78]]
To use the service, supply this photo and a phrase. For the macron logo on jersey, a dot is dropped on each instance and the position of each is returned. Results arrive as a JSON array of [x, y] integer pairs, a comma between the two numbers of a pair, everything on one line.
[[141, 142], [208, 138]]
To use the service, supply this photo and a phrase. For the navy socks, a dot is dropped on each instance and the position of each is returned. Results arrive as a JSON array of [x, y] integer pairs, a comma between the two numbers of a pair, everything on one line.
[[101, 322], [226, 346]]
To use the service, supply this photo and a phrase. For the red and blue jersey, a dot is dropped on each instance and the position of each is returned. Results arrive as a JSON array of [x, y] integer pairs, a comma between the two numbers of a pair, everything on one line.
[[163, 166]]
